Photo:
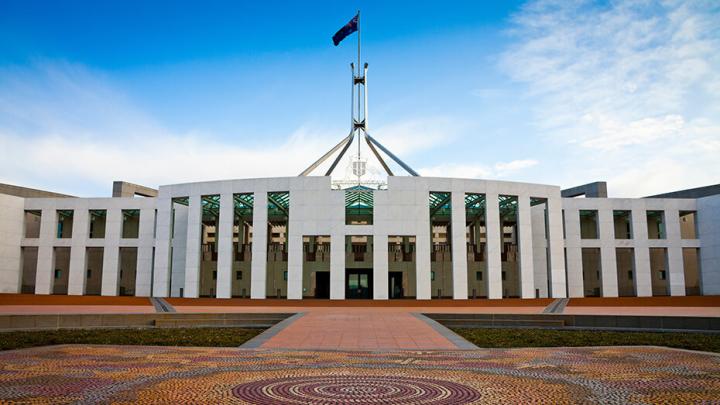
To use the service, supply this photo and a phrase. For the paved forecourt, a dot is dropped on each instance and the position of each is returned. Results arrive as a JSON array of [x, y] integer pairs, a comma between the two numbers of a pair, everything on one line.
[[147, 375]]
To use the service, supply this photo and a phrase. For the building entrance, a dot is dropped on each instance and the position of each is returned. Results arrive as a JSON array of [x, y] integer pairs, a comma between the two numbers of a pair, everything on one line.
[[395, 287], [322, 284], [358, 283]]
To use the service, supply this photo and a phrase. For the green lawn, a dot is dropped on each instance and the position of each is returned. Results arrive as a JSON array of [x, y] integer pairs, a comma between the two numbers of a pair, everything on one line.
[[505, 338], [210, 337]]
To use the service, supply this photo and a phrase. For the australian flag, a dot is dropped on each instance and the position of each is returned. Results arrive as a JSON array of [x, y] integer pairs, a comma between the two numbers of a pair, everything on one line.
[[348, 29]]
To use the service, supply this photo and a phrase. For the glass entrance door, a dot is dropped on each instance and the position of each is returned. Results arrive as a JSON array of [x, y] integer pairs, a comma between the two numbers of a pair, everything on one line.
[[358, 283]]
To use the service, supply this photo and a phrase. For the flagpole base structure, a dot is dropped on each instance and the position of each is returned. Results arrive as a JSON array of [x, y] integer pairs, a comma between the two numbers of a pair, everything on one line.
[[358, 115]]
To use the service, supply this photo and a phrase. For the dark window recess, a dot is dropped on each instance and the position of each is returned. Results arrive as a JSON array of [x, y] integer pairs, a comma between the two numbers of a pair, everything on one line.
[[285, 275], [89, 273], [503, 275], [214, 275], [630, 275], [478, 275], [58, 273], [432, 276], [662, 274]]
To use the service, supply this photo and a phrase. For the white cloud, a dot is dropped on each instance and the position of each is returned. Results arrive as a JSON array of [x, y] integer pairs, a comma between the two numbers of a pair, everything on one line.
[[469, 171], [503, 169], [631, 86], [69, 129]]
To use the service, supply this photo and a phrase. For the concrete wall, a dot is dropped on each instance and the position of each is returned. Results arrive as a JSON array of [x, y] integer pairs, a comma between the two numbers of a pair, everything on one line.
[[708, 209], [167, 263], [80, 241], [12, 215], [645, 279]]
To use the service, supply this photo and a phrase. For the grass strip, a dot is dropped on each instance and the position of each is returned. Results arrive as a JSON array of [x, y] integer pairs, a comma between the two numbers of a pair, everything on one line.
[[207, 337], [510, 337]]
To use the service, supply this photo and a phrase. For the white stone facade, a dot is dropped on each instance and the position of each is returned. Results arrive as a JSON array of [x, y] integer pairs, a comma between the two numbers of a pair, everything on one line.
[[548, 237]]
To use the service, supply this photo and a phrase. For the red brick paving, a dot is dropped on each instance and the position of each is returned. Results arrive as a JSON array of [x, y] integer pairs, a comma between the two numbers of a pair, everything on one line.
[[358, 329]]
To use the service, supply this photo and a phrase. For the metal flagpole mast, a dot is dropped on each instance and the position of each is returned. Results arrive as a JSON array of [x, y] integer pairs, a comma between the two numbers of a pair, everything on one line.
[[358, 97]]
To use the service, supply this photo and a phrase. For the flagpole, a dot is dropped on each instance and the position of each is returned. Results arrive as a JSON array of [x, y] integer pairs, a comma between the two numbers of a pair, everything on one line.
[[358, 90]]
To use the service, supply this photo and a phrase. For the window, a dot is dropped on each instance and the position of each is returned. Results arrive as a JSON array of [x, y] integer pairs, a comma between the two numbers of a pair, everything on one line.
[[64, 224], [359, 202], [504, 275], [32, 224], [432, 276], [688, 227], [622, 224], [656, 224], [285, 275], [89, 273], [58, 273], [588, 224], [662, 275], [130, 224], [214, 275], [238, 275], [97, 223], [478, 275]]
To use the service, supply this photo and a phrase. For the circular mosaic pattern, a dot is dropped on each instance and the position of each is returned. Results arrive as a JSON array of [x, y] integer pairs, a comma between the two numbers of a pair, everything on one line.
[[330, 390]]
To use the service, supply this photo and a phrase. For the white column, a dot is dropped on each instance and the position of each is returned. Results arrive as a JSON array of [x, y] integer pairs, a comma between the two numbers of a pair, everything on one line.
[[146, 235], [162, 260], [708, 215], [111, 252], [643, 280], [192, 248], [575, 284], [556, 243], [225, 244], [337, 264], [527, 272], [380, 266], [608, 259], [78, 250], [12, 218], [459, 246], [423, 246], [45, 276], [258, 265], [494, 258], [295, 263], [676, 265]]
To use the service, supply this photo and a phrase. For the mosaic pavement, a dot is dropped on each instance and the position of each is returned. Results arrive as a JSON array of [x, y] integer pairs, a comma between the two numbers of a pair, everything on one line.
[[137, 374]]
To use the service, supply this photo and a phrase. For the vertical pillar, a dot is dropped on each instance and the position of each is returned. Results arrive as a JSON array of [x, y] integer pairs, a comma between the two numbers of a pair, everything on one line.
[[380, 267], [258, 266], [225, 243], [78, 250], [146, 234], [337, 264], [708, 215], [558, 277], [111, 252], [192, 248], [494, 259], [423, 243], [608, 259], [12, 220], [44, 276], [676, 265], [643, 279], [575, 284], [459, 246], [527, 272], [295, 263], [163, 236]]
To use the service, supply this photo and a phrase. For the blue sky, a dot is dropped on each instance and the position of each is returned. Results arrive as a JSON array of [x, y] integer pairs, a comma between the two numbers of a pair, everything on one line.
[[554, 92]]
